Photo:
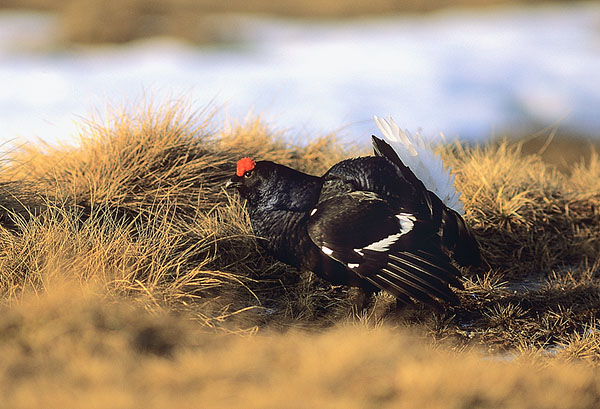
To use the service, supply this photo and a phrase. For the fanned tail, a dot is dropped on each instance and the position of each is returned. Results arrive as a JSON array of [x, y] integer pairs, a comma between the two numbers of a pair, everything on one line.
[[427, 166], [420, 165]]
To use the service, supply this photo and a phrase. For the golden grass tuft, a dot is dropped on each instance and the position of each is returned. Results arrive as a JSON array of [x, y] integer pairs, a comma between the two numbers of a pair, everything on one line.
[[140, 207], [530, 217], [124, 256]]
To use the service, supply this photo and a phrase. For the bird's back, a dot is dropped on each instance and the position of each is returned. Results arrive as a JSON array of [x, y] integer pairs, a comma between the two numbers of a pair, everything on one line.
[[372, 174]]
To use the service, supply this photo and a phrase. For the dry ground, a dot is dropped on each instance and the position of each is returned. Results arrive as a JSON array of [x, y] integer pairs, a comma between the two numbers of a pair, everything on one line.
[[82, 352], [130, 278]]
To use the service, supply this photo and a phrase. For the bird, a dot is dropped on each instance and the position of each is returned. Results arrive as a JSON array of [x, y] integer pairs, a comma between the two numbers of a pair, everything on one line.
[[392, 221]]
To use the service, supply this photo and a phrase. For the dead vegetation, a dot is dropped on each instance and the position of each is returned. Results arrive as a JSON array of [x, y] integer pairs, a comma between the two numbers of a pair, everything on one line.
[[128, 243], [83, 352], [140, 207]]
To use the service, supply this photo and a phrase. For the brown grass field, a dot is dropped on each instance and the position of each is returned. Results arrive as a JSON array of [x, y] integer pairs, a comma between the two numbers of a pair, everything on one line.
[[130, 278]]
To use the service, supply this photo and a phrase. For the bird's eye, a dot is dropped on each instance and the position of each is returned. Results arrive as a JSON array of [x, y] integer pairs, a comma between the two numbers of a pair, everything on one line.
[[248, 174]]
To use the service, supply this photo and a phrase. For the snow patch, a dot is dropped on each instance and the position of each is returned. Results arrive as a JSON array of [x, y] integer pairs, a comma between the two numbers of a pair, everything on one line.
[[463, 73]]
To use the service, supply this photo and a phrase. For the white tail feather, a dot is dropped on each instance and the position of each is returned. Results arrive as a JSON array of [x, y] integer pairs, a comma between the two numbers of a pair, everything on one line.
[[425, 164]]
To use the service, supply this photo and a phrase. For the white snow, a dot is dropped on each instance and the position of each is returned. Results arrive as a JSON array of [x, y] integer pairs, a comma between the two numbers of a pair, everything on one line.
[[463, 73]]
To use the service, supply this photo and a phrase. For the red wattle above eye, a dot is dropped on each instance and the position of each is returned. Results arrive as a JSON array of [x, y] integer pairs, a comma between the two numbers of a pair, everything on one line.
[[245, 165]]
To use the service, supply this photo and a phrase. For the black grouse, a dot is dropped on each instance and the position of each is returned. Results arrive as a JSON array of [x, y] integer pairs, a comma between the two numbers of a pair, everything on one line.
[[368, 222]]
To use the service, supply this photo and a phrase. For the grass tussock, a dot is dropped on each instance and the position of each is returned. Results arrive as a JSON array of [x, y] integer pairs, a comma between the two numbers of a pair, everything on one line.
[[140, 207], [127, 254], [526, 211]]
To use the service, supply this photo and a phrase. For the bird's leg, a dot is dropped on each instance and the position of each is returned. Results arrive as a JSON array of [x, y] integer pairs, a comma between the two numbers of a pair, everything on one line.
[[401, 306], [362, 300]]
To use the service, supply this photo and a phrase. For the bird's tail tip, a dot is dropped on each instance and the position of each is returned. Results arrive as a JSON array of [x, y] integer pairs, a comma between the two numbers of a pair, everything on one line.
[[420, 157]]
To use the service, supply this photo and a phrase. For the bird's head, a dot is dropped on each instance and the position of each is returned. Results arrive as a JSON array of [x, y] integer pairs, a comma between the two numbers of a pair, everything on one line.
[[244, 179], [253, 179], [268, 184]]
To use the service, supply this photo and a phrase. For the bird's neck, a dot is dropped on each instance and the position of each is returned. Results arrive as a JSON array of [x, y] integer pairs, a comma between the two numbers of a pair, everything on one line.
[[298, 194]]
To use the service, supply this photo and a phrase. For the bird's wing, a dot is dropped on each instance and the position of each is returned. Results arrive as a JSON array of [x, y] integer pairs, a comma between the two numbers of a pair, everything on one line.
[[395, 250], [456, 234]]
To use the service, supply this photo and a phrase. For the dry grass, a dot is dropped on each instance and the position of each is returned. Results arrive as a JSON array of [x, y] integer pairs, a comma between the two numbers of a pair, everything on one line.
[[82, 352], [527, 211], [94, 21], [140, 207], [130, 278]]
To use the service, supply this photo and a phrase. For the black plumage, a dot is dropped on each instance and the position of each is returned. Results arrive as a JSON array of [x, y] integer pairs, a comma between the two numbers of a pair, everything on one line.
[[367, 222]]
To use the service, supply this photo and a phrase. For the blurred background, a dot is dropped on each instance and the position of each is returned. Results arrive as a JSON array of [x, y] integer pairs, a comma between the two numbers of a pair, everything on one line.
[[470, 69]]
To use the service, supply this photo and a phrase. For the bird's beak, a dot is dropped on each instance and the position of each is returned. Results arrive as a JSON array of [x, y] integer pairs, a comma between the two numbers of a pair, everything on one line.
[[234, 182]]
